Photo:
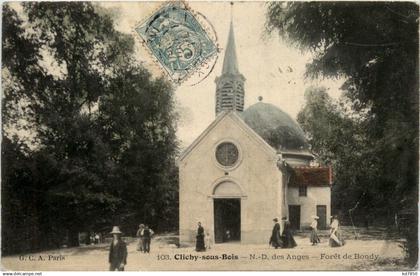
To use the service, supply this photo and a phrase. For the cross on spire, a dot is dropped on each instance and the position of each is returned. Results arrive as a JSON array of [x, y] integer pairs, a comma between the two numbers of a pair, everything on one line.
[[231, 11]]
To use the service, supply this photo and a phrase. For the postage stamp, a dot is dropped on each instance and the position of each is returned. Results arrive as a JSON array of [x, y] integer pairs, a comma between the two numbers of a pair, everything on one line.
[[177, 40]]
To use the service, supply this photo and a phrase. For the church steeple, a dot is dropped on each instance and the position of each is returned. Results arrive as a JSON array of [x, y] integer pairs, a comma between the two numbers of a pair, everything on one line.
[[230, 85], [230, 62]]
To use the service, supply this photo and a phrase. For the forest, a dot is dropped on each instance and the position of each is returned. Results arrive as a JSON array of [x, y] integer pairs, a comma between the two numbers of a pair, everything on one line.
[[88, 135], [370, 135]]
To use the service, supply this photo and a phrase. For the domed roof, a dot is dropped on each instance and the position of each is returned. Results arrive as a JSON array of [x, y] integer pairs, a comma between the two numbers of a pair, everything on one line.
[[275, 126]]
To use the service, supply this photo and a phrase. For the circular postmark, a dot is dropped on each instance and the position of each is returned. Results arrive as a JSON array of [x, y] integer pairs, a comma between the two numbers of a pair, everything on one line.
[[182, 41]]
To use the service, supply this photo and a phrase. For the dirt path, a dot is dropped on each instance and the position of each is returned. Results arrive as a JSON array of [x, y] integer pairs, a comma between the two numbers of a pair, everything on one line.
[[355, 255]]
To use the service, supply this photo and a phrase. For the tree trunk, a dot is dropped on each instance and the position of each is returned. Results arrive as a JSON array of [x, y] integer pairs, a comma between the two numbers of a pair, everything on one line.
[[73, 237]]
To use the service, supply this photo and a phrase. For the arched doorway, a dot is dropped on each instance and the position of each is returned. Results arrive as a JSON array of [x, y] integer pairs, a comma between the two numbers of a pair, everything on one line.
[[227, 212]]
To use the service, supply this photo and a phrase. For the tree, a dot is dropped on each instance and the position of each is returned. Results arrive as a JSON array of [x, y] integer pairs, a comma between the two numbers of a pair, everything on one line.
[[340, 139], [138, 121], [20, 55], [77, 88], [374, 45]]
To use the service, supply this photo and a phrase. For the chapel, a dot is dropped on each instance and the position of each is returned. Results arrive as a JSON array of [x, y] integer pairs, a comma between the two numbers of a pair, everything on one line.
[[248, 167]]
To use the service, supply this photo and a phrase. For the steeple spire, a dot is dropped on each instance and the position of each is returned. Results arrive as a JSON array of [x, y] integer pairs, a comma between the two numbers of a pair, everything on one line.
[[230, 85], [230, 62]]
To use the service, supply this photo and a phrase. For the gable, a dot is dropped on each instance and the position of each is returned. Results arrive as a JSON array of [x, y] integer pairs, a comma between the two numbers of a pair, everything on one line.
[[233, 118]]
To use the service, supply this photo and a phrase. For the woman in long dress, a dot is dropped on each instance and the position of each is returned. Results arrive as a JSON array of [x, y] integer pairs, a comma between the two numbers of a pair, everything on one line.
[[275, 239], [200, 246], [288, 240], [314, 233], [335, 236]]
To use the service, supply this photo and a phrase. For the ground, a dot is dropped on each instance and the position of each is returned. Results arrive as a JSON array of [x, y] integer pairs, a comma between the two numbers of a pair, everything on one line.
[[371, 250]]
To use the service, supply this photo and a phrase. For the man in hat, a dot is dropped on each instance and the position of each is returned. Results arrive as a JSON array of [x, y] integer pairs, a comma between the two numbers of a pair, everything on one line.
[[146, 238], [275, 239], [117, 251]]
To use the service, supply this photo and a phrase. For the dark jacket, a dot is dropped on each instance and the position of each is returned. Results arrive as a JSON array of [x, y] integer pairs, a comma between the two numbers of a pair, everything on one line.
[[275, 239], [118, 253], [288, 240], [199, 245], [147, 234]]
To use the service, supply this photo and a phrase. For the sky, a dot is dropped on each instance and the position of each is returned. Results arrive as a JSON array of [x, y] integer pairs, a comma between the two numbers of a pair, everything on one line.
[[273, 69]]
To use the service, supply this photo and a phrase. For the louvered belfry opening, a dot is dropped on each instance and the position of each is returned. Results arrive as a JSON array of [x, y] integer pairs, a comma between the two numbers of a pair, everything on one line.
[[230, 85]]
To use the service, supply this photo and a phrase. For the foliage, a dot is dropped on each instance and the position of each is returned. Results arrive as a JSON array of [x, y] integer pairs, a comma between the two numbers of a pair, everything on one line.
[[102, 144], [374, 45], [340, 140], [138, 123]]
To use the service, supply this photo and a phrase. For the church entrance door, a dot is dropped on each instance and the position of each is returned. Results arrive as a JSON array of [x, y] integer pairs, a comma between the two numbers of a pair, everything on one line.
[[227, 219], [321, 212], [294, 216]]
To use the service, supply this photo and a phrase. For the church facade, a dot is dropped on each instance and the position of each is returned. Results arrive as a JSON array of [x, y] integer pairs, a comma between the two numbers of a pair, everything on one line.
[[248, 167]]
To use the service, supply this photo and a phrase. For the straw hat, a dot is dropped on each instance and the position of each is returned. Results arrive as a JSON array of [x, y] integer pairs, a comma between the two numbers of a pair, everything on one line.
[[116, 230]]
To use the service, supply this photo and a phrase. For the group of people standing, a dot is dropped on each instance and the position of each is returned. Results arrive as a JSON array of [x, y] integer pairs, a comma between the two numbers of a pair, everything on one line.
[[203, 240], [282, 236], [335, 240], [118, 248], [145, 236], [95, 238]]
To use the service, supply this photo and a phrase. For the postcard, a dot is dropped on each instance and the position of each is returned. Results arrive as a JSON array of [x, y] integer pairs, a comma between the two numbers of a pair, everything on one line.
[[209, 136]]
